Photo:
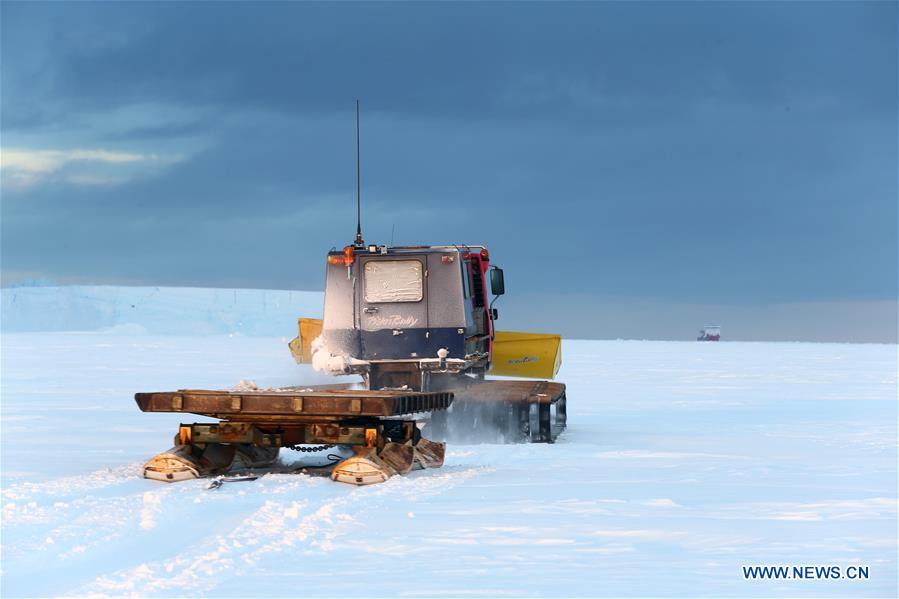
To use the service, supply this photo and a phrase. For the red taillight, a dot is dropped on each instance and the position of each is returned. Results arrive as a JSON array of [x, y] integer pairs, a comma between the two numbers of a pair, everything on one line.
[[485, 254]]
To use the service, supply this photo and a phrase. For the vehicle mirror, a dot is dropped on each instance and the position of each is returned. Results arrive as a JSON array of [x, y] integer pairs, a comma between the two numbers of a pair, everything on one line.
[[497, 285]]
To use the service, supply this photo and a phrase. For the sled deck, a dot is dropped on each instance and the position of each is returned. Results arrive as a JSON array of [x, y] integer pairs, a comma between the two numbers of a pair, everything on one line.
[[300, 404]]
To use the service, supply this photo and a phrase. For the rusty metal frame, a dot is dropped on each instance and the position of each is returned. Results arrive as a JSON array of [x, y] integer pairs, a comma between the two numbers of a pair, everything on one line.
[[369, 432]]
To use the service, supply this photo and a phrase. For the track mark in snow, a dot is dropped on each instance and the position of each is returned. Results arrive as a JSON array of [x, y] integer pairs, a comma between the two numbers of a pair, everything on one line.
[[150, 509], [292, 522], [80, 525], [73, 485]]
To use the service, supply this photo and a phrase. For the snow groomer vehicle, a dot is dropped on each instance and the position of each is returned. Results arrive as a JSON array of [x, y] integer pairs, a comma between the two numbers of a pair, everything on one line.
[[416, 325]]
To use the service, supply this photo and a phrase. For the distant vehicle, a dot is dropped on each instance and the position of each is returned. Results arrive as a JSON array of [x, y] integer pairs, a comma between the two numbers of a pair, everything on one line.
[[710, 332]]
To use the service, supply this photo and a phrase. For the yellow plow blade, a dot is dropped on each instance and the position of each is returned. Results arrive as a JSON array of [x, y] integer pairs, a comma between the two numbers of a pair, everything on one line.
[[530, 355], [301, 345]]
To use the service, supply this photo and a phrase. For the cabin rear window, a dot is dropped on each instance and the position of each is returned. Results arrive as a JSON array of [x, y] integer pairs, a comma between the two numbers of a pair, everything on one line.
[[393, 281]]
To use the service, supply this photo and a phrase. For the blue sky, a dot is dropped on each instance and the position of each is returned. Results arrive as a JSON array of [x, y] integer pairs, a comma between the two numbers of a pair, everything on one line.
[[732, 156]]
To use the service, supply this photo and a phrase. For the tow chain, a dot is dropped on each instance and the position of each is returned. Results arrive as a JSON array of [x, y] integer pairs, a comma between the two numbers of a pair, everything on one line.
[[218, 481], [309, 449]]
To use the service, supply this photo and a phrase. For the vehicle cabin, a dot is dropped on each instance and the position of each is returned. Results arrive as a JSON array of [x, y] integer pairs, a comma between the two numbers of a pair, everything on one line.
[[419, 304]]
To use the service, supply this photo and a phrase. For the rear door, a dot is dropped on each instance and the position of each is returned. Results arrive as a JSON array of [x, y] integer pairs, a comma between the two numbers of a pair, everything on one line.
[[393, 306]]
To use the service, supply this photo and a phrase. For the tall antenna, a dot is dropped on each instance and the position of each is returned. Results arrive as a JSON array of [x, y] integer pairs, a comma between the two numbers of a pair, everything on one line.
[[359, 242]]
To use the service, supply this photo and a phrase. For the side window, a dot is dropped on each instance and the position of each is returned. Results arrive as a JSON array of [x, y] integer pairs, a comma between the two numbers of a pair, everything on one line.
[[393, 281]]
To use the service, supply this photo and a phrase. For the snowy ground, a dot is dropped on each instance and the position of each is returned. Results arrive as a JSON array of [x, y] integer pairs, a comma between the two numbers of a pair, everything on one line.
[[683, 461]]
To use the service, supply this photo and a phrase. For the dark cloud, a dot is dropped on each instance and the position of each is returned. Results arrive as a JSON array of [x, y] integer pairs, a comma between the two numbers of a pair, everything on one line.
[[691, 152], [477, 61]]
